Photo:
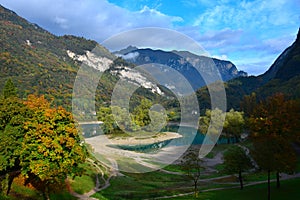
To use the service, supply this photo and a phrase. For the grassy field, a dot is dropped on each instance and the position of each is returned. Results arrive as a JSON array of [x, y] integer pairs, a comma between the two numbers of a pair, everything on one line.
[[289, 190], [138, 186], [158, 184], [87, 179], [20, 192]]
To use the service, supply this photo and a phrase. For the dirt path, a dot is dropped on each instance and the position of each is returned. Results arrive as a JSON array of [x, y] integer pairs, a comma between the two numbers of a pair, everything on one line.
[[98, 187]]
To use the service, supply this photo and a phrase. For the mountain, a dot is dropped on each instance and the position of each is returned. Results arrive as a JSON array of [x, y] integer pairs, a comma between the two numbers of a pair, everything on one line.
[[182, 61], [125, 51], [42, 63], [284, 74], [286, 65]]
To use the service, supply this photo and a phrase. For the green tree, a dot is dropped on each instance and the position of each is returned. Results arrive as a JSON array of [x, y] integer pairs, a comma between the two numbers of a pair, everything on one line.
[[191, 165], [107, 118], [51, 149], [214, 127], [158, 120], [233, 125], [237, 161], [9, 89], [12, 117], [122, 118], [141, 113]]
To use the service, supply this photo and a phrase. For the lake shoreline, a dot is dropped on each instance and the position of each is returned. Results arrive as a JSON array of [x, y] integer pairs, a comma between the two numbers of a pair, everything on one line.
[[160, 137]]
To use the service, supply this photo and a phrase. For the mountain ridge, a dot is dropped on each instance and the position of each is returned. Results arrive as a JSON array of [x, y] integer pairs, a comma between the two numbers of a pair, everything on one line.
[[182, 61]]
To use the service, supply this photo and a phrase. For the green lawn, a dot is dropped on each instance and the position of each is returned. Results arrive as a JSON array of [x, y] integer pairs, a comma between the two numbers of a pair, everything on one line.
[[20, 192], [289, 190], [87, 180], [138, 186]]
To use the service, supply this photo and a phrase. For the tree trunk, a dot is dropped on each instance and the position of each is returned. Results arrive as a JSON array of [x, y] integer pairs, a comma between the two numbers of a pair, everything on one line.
[[241, 179], [11, 178], [269, 185], [278, 180], [195, 188], [10, 181]]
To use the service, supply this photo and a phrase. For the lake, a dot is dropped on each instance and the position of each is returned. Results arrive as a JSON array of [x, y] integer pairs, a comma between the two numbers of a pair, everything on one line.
[[190, 136]]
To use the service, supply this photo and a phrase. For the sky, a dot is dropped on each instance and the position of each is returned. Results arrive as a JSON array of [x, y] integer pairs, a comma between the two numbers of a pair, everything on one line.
[[251, 34]]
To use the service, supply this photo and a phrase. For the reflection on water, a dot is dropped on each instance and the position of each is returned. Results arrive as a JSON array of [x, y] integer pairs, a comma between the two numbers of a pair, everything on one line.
[[190, 136]]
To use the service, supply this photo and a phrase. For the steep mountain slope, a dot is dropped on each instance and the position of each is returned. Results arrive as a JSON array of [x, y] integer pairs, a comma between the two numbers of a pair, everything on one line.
[[286, 65], [36, 60], [284, 75], [183, 62]]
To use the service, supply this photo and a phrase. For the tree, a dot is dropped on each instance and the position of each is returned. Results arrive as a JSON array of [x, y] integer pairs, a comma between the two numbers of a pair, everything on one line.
[[12, 117], [273, 153], [274, 125], [122, 118], [158, 120], [107, 118], [191, 165], [237, 161], [277, 116], [9, 89], [51, 148], [212, 128], [234, 124], [248, 104], [141, 113]]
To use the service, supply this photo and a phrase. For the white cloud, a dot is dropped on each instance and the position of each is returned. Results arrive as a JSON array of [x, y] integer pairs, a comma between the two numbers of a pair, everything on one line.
[[92, 19], [220, 57], [129, 55], [63, 23], [153, 14], [252, 14]]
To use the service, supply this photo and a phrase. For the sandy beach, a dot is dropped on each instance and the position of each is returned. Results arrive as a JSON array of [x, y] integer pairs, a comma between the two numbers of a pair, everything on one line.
[[160, 137]]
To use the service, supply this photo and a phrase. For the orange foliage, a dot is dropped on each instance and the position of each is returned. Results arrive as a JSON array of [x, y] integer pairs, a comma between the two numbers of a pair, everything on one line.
[[37, 103]]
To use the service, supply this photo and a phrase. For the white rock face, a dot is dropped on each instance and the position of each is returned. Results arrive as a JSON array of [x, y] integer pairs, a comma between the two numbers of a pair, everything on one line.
[[102, 64], [28, 43], [137, 78], [92, 60]]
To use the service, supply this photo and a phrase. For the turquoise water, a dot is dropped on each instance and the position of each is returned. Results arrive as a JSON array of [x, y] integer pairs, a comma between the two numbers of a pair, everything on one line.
[[190, 136]]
